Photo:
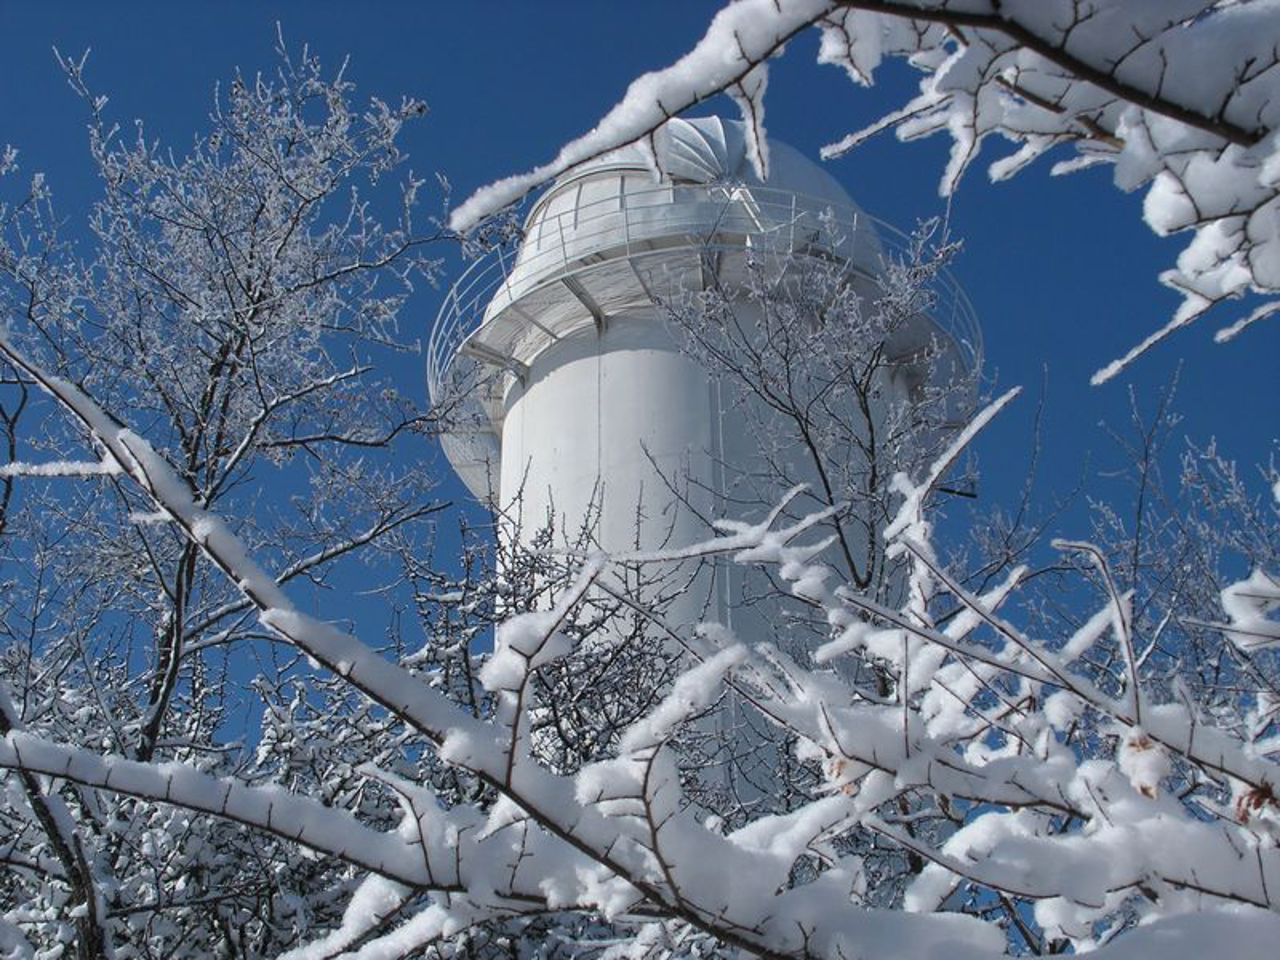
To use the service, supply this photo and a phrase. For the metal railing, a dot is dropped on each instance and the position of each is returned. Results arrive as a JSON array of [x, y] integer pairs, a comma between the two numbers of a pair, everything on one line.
[[669, 218]]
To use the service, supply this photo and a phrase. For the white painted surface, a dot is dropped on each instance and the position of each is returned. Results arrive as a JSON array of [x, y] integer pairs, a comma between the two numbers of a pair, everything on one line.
[[604, 423]]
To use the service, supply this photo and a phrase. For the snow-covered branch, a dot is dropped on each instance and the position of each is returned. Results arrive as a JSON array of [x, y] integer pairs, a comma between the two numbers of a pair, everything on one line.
[[976, 729], [1181, 98]]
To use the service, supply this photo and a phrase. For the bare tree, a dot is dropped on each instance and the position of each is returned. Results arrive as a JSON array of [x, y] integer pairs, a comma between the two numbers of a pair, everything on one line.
[[844, 383]]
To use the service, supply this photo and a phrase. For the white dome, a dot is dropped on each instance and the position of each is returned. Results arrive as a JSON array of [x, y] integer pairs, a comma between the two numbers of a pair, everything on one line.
[[708, 194], [609, 235], [714, 150]]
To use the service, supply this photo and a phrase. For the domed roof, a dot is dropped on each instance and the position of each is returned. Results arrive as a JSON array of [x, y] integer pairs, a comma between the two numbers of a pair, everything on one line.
[[609, 236], [715, 150], [707, 193]]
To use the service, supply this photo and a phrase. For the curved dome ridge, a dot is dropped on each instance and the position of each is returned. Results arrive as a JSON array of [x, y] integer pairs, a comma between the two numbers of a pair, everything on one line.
[[704, 151], [714, 150]]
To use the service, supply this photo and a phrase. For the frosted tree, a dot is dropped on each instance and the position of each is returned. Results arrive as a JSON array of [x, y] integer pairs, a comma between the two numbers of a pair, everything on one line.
[[1181, 97], [1050, 792], [242, 301], [1068, 807], [840, 389]]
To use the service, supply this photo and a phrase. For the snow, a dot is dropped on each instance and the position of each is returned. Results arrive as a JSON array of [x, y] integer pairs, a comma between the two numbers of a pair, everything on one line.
[[693, 691], [974, 713], [61, 468], [1062, 709], [910, 512], [1241, 933], [1145, 763], [530, 640], [1090, 632], [374, 899], [618, 833], [1251, 606], [298, 818]]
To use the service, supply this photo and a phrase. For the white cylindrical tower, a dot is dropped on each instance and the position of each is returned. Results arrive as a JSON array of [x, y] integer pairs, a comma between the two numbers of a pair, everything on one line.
[[573, 402]]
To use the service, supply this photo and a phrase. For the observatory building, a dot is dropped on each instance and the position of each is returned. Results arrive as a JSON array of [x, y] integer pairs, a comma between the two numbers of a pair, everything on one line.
[[570, 398]]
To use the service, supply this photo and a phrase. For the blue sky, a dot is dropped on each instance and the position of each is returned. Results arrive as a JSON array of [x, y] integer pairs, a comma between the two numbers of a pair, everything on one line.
[[1062, 272]]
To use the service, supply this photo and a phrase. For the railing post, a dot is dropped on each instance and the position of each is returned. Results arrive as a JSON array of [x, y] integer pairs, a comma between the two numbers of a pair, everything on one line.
[[564, 254], [626, 221]]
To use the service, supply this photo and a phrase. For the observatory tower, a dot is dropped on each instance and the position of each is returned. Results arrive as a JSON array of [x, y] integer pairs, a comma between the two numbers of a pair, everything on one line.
[[572, 399]]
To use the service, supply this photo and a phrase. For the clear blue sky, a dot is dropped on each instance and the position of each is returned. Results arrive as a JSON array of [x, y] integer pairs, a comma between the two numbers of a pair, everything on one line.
[[1062, 272]]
